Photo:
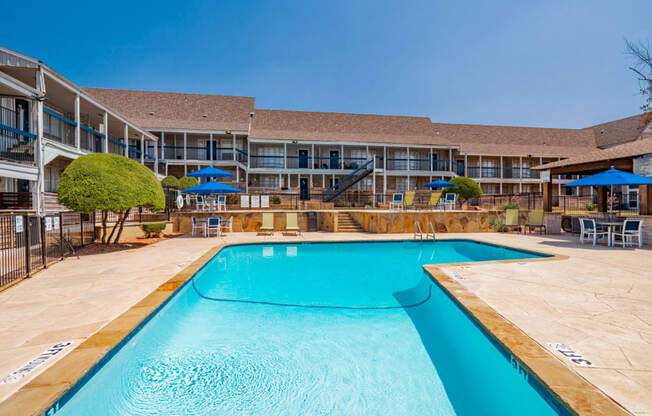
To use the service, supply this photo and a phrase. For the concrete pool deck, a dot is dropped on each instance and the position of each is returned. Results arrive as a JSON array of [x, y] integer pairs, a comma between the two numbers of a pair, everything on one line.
[[598, 302]]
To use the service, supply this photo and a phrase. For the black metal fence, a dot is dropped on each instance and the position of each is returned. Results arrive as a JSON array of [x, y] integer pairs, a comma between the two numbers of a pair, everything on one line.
[[29, 243]]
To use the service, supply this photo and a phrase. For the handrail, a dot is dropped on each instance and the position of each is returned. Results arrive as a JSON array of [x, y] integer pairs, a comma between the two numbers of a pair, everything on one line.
[[429, 227], [417, 226], [17, 131], [365, 166]]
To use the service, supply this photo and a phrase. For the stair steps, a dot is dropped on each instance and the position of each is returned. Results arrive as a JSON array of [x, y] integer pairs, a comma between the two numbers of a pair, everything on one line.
[[346, 224]]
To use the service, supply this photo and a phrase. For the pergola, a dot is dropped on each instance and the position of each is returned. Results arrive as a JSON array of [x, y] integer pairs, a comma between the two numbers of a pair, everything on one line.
[[635, 157]]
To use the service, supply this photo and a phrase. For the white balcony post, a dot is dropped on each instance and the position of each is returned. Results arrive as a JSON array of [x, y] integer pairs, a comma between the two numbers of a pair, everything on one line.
[[480, 166], [248, 154], [185, 146], [77, 123], [234, 147], [501, 168], [163, 147], [520, 164], [285, 157], [126, 140], [156, 158], [450, 159], [342, 157], [142, 149], [384, 171], [408, 165], [312, 164], [106, 132], [466, 165], [38, 203]]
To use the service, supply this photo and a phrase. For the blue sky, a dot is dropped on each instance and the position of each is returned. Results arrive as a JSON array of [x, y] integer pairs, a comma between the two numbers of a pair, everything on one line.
[[553, 63]]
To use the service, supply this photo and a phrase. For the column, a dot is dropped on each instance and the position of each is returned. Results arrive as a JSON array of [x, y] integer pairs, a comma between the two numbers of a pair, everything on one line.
[[285, 156], [248, 153], [520, 173], [106, 132], [142, 149], [480, 166], [163, 149], [237, 174], [450, 159], [466, 165], [547, 194], [77, 123], [384, 171], [156, 158], [126, 140], [645, 199], [37, 199], [234, 147], [408, 165], [185, 146], [312, 164], [502, 174]]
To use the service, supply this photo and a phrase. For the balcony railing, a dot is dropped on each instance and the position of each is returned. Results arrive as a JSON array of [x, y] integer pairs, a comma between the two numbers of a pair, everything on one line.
[[531, 174], [15, 144], [490, 172], [201, 153], [420, 164]]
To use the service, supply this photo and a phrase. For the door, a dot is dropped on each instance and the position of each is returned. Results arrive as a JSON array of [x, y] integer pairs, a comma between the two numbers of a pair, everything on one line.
[[460, 167], [435, 162], [335, 159], [303, 159], [23, 185], [304, 189]]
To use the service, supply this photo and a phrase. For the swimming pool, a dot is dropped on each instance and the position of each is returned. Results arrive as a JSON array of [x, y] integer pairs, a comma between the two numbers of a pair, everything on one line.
[[315, 329]]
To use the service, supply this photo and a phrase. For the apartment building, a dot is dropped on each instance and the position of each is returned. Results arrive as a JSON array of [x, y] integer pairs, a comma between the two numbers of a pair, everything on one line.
[[47, 121]]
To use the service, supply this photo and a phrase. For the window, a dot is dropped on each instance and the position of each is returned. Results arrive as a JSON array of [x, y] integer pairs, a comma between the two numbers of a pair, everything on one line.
[[270, 157], [269, 181]]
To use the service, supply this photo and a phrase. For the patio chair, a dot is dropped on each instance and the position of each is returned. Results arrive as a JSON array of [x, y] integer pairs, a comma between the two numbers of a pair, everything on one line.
[[227, 225], [434, 200], [244, 201], [397, 201], [291, 224], [196, 225], [255, 201], [188, 201], [589, 230], [632, 228], [511, 219], [409, 199], [221, 202], [264, 201], [213, 205], [214, 225], [267, 227], [449, 200], [200, 203], [535, 220]]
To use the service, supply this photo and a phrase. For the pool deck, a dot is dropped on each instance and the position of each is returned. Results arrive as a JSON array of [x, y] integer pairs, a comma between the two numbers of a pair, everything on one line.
[[598, 301]]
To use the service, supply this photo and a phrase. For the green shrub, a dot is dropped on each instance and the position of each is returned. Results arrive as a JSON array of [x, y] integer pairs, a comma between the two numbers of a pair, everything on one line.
[[509, 205], [170, 182], [497, 225], [153, 229], [591, 207], [187, 181], [275, 199], [109, 183], [465, 188]]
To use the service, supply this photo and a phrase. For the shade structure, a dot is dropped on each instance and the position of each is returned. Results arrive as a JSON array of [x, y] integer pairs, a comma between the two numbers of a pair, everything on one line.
[[439, 184], [210, 172], [612, 177], [211, 187]]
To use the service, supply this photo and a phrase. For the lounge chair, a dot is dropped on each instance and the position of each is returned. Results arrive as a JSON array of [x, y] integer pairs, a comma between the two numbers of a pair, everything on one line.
[[449, 200], [409, 199], [197, 225], [244, 201], [397, 201], [291, 224], [632, 228], [267, 227], [434, 200], [589, 230], [214, 225], [221, 202], [511, 219], [535, 220]]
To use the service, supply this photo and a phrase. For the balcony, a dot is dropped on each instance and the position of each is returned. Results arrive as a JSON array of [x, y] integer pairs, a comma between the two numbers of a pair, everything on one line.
[[531, 174], [420, 164], [490, 172], [511, 173], [201, 153], [16, 145]]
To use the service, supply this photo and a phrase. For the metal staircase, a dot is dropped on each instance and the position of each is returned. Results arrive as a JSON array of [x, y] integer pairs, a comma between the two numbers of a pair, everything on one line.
[[355, 177]]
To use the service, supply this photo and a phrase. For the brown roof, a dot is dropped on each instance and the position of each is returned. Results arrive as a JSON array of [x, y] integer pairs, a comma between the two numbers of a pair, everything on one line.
[[509, 140], [153, 109], [618, 131], [632, 149], [318, 126]]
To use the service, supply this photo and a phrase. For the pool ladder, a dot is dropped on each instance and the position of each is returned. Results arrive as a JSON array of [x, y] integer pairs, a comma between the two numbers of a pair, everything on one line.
[[430, 231]]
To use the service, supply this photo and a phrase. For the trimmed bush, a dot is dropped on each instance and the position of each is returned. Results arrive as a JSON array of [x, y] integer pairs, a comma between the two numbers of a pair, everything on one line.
[[170, 181], [109, 183], [275, 199], [187, 181], [465, 188], [591, 207], [497, 225], [153, 229]]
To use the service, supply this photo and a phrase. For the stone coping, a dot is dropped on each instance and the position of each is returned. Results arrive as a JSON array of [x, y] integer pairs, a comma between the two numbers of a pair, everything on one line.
[[579, 396]]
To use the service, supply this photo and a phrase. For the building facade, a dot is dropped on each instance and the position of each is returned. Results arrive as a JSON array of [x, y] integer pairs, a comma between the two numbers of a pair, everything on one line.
[[47, 121]]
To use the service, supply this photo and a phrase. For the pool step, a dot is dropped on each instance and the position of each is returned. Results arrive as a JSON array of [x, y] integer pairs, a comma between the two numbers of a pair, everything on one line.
[[346, 224]]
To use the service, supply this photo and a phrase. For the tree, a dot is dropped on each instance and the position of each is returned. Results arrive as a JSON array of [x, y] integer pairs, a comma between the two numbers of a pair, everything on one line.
[[170, 182], [187, 182], [465, 188], [109, 183], [642, 68]]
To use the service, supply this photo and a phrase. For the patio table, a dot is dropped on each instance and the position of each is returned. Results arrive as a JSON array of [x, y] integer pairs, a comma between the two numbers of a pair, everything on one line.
[[204, 226], [611, 225]]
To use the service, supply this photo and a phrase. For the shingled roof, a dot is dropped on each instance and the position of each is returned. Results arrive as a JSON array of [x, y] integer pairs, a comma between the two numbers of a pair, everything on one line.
[[160, 110], [319, 126], [632, 149], [618, 131], [516, 141]]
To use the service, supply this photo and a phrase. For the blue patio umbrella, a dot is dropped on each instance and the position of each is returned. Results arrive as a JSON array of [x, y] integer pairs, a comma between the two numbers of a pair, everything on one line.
[[211, 187], [610, 178], [439, 184], [210, 172]]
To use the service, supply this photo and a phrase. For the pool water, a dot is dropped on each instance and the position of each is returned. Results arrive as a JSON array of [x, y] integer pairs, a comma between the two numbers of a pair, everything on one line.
[[314, 329]]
